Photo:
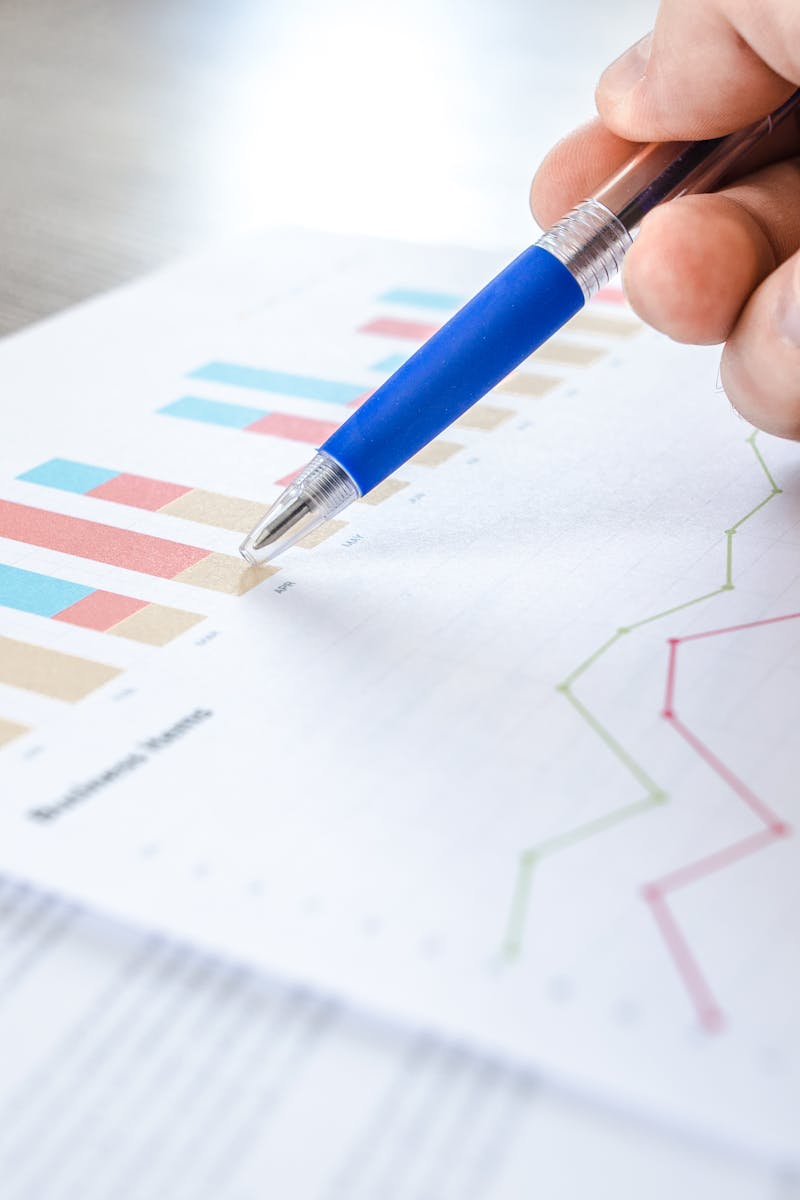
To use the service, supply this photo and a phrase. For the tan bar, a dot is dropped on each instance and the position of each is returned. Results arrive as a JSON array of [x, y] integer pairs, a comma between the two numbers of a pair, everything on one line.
[[50, 672], [593, 322], [10, 730], [568, 354], [223, 573], [436, 453], [526, 383], [484, 416], [223, 512], [156, 625], [321, 534], [384, 491]]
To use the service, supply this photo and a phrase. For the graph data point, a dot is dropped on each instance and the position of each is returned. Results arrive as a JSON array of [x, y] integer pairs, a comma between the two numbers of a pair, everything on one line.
[[727, 587], [667, 714], [624, 629]]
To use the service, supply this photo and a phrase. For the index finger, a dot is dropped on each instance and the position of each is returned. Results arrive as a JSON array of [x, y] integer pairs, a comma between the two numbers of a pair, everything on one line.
[[709, 67]]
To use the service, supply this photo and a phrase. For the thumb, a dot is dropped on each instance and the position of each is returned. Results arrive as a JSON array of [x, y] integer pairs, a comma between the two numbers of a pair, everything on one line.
[[700, 73]]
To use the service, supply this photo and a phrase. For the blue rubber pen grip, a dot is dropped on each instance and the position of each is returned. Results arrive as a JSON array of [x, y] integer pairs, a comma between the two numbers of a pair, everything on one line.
[[493, 333]]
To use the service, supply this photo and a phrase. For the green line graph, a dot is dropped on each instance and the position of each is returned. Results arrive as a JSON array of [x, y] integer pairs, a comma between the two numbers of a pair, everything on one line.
[[655, 795]]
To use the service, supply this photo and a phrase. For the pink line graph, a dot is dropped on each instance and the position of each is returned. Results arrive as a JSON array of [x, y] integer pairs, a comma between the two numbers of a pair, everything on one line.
[[657, 891]]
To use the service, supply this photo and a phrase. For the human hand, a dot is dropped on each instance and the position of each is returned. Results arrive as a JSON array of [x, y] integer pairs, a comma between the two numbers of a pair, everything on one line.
[[714, 268]]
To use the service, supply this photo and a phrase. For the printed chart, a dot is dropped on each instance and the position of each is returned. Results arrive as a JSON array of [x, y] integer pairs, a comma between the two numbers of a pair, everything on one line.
[[506, 751]]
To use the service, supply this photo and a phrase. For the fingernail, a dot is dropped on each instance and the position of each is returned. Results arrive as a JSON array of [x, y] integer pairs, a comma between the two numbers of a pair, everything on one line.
[[627, 70], [788, 314]]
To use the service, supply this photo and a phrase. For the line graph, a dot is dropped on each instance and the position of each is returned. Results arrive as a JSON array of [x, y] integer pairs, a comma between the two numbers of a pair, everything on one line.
[[654, 794], [656, 892]]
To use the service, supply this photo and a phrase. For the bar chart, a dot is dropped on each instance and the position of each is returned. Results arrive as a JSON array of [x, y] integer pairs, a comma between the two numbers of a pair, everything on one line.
[[154, 495], [51, 673], [251, 420], [125, 548], [92, 608], [235, 395]]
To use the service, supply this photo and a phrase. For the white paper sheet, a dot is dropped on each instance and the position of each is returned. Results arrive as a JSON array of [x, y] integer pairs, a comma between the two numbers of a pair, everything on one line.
[[134, 1068], [419, 767]]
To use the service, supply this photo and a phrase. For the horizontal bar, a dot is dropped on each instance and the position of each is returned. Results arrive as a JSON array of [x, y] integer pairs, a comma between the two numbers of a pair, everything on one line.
[[295, 429], [525, 383], [557, 351], [99, 543], [51, 672], [419, 298], [261, 379], [398, 327], [104, 612], [611, 295], [282, 425], [384, 491], [222, 512], [68, 476], [136, 620], [213, 412], [154, 495], [391, 363], [10, 731], [289, 477], [42, 595], [223, 573], [591, 321], [156, 625], [435, 453], [100, 611], [484, 416], [139, 491], [570, 354]]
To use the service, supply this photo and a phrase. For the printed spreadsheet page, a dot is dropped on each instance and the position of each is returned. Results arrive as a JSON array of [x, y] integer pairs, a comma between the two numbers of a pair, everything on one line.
[[507, 754]]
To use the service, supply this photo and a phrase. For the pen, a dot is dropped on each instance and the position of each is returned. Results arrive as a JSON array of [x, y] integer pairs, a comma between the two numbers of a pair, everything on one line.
[[495, 331]]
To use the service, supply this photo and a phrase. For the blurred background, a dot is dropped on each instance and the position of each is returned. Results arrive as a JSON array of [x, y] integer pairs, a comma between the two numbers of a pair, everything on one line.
[[133, 131]]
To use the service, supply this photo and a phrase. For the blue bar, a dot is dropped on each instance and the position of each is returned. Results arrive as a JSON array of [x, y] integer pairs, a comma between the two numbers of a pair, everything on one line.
[[68, 476], [212, 412], [391, 363], [261, 380], [420, 299], [38, 594]]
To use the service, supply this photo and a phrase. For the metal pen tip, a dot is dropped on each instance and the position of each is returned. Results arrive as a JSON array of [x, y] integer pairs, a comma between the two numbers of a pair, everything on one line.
[[321, 490], [281, 523]]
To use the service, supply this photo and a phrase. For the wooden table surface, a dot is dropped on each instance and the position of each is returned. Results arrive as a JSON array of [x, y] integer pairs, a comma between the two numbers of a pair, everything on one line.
[[132, 131]]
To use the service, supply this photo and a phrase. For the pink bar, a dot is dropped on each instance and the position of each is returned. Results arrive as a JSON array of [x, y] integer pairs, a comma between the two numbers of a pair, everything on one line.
[[359, 400], [100, 543], [295, 429], [290, 478], [100, 611], [139, 492], [417, 331], [611, 295]]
